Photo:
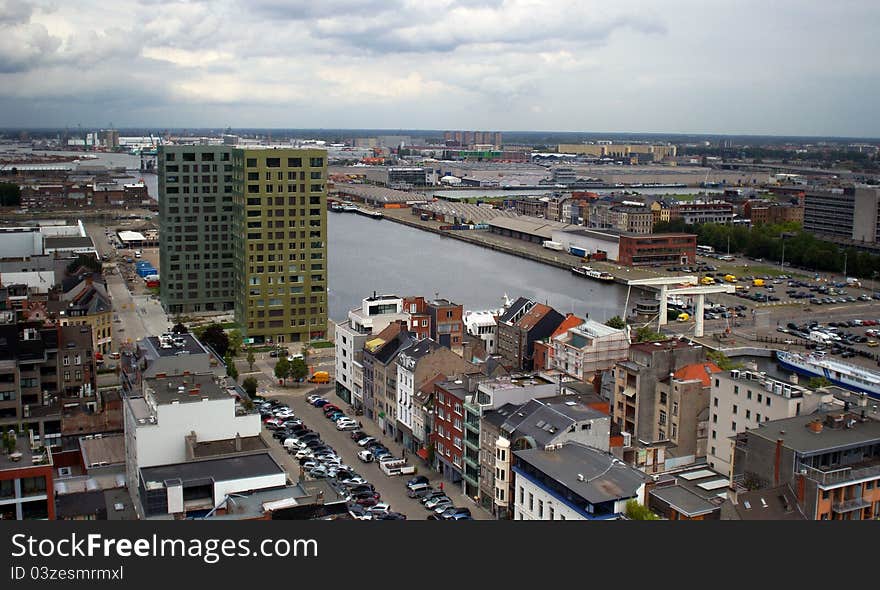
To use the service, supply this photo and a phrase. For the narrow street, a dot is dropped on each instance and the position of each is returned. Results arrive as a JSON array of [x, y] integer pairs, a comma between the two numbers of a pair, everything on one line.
[[391, 489]]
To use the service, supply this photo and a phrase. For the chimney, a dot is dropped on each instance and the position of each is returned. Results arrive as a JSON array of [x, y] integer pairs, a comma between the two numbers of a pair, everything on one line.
[[801, 487], [777, 461], [815, 426], [237, 442]]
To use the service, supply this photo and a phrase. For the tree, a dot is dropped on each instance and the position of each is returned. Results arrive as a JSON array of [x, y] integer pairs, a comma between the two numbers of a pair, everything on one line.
[[215, 337], [616, 322], [636, 511], [722, 360], [10, 194], [298, 369], [817, 382], [231, 369], [235, 341], [250, 386], [251, 359], [179, 328], [647, 334], [282, 368]]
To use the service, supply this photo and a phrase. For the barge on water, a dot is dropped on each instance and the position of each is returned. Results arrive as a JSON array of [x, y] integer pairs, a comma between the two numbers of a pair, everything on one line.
[[590, 273]]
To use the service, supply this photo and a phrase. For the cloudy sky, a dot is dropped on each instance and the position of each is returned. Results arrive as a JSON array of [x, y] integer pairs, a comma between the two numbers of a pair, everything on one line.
[[798, 67]]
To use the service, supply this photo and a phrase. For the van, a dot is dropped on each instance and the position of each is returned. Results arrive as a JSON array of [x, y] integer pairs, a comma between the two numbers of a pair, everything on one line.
[[417, 490], [320, 377]]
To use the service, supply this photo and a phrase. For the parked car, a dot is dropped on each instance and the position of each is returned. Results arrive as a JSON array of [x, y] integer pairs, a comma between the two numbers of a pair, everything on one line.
[[432, 503], [416, 480], [380, 508], [390, 516], [441, 506], [419, 490], [365, 441], [451, 513], [358, 435], [365, 456]]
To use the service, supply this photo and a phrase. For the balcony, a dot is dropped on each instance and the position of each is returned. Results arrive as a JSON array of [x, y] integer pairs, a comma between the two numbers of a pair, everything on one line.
[[850, 505], [473, 426], [472, 441], [830, 477]]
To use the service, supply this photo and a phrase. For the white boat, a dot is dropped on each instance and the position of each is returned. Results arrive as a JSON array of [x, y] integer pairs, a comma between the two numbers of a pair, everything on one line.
[[837, 372], [590, 273]]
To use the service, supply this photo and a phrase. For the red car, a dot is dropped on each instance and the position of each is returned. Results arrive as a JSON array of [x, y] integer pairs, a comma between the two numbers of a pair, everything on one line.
[[367, 501]]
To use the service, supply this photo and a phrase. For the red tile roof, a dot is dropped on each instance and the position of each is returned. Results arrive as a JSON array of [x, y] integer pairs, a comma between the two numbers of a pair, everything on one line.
[[699, 371], [528, 321], [570, 321]]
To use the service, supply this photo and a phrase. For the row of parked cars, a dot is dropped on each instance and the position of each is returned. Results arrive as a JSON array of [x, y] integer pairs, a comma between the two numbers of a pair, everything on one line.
[[436, 502], [835, 337], [319, 460]]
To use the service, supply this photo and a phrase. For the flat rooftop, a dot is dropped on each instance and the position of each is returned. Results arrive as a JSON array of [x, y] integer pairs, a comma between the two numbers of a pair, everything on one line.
[[179, 344], [185, 389], [225, 469], [795, 434], [23, 456], [102, 450], [216, 448]]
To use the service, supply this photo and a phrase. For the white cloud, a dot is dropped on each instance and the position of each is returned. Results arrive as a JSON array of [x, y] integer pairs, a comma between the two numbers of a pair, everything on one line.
[[746, 66]]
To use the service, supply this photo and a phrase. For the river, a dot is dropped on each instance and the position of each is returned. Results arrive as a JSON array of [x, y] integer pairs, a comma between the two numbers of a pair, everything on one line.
[[366, 255]]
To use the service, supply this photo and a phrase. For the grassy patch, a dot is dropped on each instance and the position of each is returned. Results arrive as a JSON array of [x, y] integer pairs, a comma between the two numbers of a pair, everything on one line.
[[229, 325], [322, 344]]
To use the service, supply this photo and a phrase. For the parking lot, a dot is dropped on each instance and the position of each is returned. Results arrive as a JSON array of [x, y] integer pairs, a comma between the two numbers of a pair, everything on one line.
[[392, 489]]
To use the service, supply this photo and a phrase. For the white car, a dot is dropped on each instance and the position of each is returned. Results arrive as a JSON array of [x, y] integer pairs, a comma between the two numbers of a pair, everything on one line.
[[365, 441], [313, 398], [380, 508], [303, 453], [354, 481], [365, 456], [343, 424]]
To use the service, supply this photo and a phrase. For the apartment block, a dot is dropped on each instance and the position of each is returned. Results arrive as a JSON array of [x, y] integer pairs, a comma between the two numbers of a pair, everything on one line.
[[573, 482], [195, 226], [682, 410], [847, 215], [741, 400], [635, 399], [831, 461], [588, 347], [26, 483], [279, 243]]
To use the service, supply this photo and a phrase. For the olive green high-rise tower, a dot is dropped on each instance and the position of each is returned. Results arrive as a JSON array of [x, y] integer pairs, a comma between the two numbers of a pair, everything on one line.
[[279, 243]]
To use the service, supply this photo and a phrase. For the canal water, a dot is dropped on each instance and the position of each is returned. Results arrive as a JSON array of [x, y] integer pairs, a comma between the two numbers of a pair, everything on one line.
[[367, 255]]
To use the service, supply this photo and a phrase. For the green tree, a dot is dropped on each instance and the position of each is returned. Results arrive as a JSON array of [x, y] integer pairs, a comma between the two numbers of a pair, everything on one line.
[[722, 360], [250, 386], [648, 334], [636, 511], [10, 194], [235, 341], [282, 368], [616, 322], [298, 370], [179, 328], [231, 369], [251, 359], [215, 337], [817, 382]]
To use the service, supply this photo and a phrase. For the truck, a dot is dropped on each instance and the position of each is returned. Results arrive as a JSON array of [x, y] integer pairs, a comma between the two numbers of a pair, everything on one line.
[[707, 281], [758, 283], [320, 377], [551, 245], [730, 278], [853, 282], [683, 317], [819, 337], [393, 466], [574, 250]]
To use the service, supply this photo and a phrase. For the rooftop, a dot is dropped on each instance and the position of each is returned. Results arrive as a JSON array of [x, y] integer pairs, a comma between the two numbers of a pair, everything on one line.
[[683, 500], [848, 430], [225, 469], [179, 344], [102, 450], [533, 316], [24, 456], [779, 503], [186, 389], [698, 372], [591, 474], [217, 448]]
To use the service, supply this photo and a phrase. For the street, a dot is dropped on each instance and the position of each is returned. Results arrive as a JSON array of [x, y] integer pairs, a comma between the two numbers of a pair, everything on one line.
[[391, 489]]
